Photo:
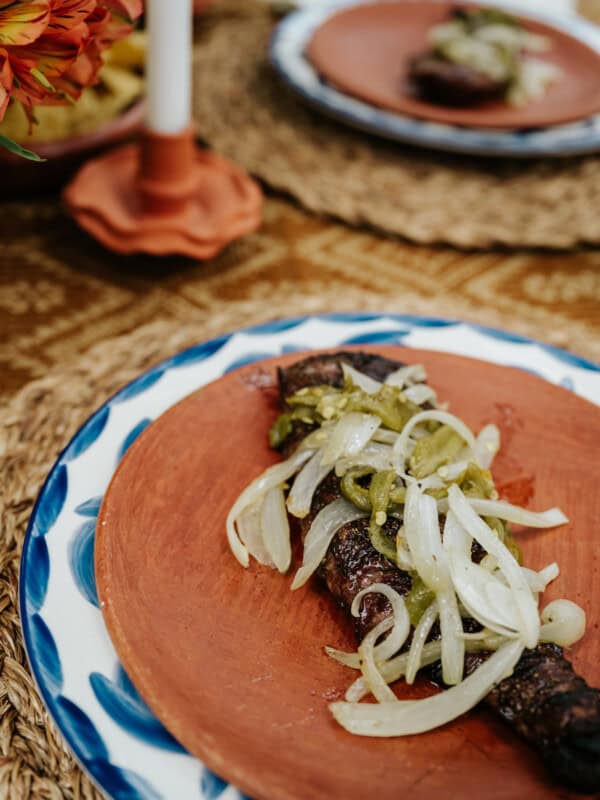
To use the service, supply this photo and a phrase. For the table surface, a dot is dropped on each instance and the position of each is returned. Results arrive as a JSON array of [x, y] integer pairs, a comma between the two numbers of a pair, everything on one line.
[[60, 292]]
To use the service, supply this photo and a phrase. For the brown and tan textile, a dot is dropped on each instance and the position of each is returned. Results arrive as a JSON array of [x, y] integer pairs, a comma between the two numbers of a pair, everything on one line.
[[243, 110], [61, 294]]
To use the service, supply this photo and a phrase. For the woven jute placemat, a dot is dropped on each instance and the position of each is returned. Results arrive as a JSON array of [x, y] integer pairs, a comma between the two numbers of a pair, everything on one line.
[[35, 425], [244, 111]]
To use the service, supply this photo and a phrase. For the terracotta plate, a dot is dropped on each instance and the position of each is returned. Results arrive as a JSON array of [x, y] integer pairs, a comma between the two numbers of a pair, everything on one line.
[[365, 51], [233, 663]]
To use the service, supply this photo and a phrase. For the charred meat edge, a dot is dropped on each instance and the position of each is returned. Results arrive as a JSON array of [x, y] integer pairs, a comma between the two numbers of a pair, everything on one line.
[[544, 700]]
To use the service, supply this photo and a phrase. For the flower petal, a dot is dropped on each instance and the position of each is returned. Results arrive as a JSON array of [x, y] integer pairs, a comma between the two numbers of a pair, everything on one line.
[[68, 14], [128, 8], [23, 22], [6, 82]]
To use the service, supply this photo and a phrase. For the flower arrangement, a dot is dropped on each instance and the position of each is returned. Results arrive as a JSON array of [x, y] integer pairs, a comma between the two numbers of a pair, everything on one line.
[[50, 50]]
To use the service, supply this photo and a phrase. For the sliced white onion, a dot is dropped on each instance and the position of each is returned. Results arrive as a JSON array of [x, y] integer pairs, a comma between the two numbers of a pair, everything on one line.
[[324, 527], [456, 539], [249, 528], [538, 581], [418, 432], [273, 476], [398, 624], [305, 484], [407, 375], [476, 527], [422, 530], [403, 554], [401, 628], [436, 415], [432, 482], [377, 685], [350, 434], [484, 596], [385, 437], [275, 528], [564, 623], [420, 393], [405, 718], [450, 472], [393, 670], [361, 380], [453, 645], [375, 455], [520, 516], [352, 660], [488, 444], [420, 635]]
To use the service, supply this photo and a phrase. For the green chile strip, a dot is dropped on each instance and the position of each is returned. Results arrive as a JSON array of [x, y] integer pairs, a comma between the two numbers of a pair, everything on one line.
[[353, 491]]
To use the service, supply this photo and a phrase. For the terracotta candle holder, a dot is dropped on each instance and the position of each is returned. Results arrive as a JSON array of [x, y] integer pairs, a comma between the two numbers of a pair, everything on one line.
[[164, 196]]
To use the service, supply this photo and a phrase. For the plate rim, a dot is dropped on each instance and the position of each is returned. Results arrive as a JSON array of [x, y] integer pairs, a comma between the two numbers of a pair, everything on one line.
[[209, 347], [572, 138], [476, 117]]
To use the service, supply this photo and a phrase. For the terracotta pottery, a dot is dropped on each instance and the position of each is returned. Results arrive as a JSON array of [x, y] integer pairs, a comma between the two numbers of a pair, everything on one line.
[[164, 196], [366, 51], [65, 155], [232, 662]]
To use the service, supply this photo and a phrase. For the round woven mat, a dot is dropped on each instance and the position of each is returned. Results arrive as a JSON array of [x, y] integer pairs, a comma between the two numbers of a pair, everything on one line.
[[247, 114], [36, 424]]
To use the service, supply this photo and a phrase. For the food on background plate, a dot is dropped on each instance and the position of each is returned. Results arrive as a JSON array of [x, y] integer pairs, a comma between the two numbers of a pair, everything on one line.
[[480, 55], [400, 518]]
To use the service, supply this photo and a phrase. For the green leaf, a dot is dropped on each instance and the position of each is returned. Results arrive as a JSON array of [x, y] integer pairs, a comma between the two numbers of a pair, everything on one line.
[[15, 148]]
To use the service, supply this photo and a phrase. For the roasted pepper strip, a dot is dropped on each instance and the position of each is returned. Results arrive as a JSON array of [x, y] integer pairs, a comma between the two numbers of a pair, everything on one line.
[[418, 599], [380, 491], [280, 430], [434, 451], [353, 491]]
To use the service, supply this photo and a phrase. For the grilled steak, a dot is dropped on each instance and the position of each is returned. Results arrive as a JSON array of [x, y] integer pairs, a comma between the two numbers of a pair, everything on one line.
[[544, 701], [450, 84]]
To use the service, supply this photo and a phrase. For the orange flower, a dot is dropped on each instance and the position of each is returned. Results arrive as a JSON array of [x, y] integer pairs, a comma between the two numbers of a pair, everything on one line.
[[51, 49], [6, 81]]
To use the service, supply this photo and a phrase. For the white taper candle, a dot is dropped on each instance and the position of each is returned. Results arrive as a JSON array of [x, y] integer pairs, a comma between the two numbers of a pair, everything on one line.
[[168, 65]]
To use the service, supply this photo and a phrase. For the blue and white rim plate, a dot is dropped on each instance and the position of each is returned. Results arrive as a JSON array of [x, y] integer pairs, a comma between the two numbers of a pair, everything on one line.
[[109, 728], [287, 55]]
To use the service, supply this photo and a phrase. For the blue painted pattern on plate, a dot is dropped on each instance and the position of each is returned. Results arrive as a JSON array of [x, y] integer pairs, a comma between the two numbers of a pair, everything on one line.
[[39, 561], [43, 648], [142, 384], [377, 337], [81, 561], [250, 358], [88, 434], [200, 352], [132, 436], [212, 786], [51, 501], [121, 701], [90, 508]]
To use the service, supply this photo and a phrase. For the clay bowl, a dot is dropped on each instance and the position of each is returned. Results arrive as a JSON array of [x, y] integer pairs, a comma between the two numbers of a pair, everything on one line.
[[65, 155], [232, 662], [366, 50]]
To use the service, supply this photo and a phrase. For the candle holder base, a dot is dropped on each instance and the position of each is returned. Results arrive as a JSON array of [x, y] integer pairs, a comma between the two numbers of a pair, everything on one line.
[[164, 196]]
